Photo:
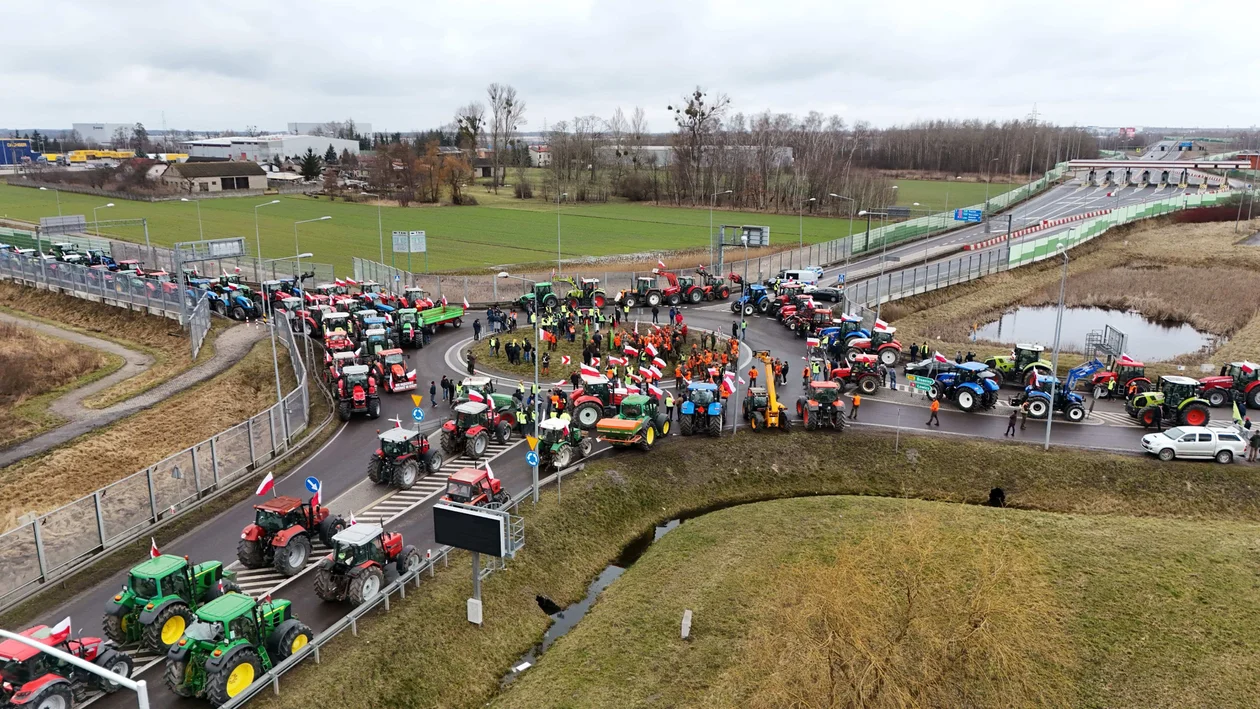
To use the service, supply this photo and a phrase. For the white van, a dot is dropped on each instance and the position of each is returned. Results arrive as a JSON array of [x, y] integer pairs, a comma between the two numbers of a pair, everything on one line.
[[808, 276]]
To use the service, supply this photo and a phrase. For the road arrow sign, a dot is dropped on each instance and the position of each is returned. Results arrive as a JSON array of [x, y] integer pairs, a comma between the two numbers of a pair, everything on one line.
[[533, 442], [417, 414], [531, 458], [312, 484], [416, 398]]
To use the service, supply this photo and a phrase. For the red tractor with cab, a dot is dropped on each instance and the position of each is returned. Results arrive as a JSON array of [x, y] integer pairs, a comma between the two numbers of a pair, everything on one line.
[[880, 343], [1126, 373], [474, 423], [390, 368], [596, 399], [403, 458], [862, 371], [1242, 377], [715, 287], [37, 679], [357, 393], [415, 298], [355, 570], [473, 486], [281, 534]]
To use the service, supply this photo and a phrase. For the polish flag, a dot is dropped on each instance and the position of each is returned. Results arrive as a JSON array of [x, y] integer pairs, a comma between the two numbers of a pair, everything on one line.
[[615, 361], [352, 520], [940, 357], [153, 550], [474, 395], [880, 325], [265, 486], [635, 377], [565, 359], [236, 269], [60, 631], [655, 372], [633, 390], [658, 362], [651, 349], [713, 371], [1248, 367], [741, 381], [317, 497], [339, 282], [443, 301], [1032, 381], [656, 391], [812, 342], [589, 370], [630, 351], [351, 282], [466, 305], [489, 472], [660, 264], [1126, 359]]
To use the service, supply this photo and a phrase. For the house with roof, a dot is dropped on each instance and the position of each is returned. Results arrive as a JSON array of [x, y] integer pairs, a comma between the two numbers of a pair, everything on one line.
[[216, 176]]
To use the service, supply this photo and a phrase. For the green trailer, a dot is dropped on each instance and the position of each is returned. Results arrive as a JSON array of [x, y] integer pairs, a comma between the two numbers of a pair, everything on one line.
[[434, 317]]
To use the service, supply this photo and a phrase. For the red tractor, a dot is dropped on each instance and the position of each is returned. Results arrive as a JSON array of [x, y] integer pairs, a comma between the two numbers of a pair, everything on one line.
[[471, 486], [390, 368], [415, 298], [1240, 377], [471, 428], [692, 291], [596, 399], [357, 393], [37, 679], [715, 287], [355, 570], [648, 291], [403, 458], [862, 371], [786, 295], [822, 407], [281, 534], [1126, 373], [336, 362], [880, 343]]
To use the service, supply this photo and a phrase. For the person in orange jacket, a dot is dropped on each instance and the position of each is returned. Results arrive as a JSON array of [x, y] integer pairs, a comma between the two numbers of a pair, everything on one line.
[[936, 407]]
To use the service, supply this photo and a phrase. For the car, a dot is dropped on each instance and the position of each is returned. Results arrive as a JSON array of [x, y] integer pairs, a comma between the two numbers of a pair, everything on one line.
[[1201, 442], [929, 367], [833, 294]]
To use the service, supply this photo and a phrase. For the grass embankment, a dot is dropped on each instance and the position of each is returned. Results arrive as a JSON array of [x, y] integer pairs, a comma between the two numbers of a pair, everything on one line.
[[919, 604], [161, 338], [1191, 273], [424, 653], [36, 369], [64, 474]]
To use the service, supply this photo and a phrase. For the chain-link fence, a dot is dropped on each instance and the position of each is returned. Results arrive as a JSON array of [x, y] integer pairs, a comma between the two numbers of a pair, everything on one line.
[[199, 325], [59, 542]]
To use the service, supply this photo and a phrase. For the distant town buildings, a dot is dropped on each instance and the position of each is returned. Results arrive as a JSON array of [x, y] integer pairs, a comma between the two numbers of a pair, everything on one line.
[[267, 148]]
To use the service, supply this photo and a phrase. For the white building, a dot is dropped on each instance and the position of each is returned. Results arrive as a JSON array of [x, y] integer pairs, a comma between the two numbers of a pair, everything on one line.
[[263, 148], [101, 133], [539, 155], [312, 128]]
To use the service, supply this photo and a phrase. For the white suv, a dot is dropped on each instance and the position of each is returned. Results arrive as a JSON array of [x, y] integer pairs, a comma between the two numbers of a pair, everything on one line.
[[1222, 444]]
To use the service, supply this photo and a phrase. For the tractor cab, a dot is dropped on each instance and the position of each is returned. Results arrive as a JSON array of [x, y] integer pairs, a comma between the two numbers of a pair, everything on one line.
[[864, 364], [129, 265], [273, 290], [416, 298], [755, 399], [702, 394], [407, 317], [472, 486], [978, 372], [338, 361], [1243, 374], [356, 375], [1177, 389], [1025, 355], [882, 337], [283, 512], [644, 284], [371, 288], [485, 385], [290, 305], [825, 392], [397, 442], [552, 431], [363, 543], [589, 286], [374, 341], [471, 414], [1123, 371], [542, 294], [334, 321], [638, 406]]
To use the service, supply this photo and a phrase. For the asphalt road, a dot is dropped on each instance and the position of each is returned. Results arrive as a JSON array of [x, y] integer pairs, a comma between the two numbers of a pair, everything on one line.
[[340, 463]]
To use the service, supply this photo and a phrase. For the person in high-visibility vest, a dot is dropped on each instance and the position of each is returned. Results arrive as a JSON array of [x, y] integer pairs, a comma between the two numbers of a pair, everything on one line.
[[669, 405]]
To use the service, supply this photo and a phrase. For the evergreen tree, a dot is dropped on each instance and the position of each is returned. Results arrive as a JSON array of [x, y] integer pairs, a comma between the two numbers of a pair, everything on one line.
[[311, 165], [330, 155]]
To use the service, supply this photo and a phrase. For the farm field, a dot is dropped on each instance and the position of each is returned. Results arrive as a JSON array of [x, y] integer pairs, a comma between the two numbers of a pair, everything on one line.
[[940, 195]]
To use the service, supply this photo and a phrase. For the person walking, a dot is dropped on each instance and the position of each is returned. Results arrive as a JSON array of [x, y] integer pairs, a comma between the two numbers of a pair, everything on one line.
[[857, 401], [1010, 423], [1023, 411], [935, 418], [892, 378], [734, 329], [669, 406], [1255, 445], [433, 392]]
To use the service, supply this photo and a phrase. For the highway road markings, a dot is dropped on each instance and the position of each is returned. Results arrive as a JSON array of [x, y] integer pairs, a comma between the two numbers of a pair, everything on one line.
[[1115, 418]]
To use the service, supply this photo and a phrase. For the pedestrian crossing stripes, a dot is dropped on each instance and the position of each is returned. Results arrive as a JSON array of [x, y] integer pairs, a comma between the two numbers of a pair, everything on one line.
[[1114, 418], [259, 582]]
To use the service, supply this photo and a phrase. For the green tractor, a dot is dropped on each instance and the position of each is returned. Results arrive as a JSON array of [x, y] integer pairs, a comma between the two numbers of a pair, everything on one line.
[[1019, 368], [542, 294], [557, 441], [407, 322], [638, 423], [159, 598], [1176, 399], [232, 641]]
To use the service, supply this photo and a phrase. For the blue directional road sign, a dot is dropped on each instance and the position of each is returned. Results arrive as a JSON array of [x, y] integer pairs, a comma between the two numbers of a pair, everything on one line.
[[417, 414], [531, 458], [968, 215], [312, 484]]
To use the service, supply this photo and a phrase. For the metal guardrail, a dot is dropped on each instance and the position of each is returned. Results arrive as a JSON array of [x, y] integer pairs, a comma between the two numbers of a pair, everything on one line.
[[199, 325], [55, 545], [95, 284]]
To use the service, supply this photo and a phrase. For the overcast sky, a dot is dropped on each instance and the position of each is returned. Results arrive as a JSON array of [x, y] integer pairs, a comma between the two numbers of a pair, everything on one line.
[[408, 65]]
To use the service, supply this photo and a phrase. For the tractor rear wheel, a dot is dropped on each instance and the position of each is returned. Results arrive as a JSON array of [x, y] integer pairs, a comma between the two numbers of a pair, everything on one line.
[[238, 313], [326, 585], [405, 475], [408, 561], [503, 432], [585, 446], [1075, 413], [1216, 397], [433, 461], [653, 299], [290, 559], [295, 638], [1037, 408], [374, 469], [374, 408], [696, 295], [758, 421], [251, 554], [587, 415], [475, 447], [234, 677], [1253, 398], [450, 442], [889, 356], [562, 456], [366, 585], [852, 353], [167, 628], [630, 301], [715, 426], [343, 411], [966, 400], [1195, 415], [868, 384], [810, 419], [686, 426], [174, 675]]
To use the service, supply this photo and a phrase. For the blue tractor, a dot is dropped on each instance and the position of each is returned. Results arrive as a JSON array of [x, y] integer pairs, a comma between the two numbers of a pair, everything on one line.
[[755, 298], [703, 410], [848, 327], [1066, 400], [972, 386]]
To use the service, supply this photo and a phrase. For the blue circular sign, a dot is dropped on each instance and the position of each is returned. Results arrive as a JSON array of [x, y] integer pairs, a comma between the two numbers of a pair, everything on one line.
[[312, 484], [531, 458], [417, 413]]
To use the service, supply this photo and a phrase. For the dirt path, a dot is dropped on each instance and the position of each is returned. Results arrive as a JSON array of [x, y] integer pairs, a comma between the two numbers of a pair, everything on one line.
[[229, 348]]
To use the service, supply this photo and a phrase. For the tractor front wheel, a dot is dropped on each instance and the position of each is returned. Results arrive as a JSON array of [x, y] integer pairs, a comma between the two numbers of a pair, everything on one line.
[[295, 638], [167, 628], [174, 675], [1195, 415], [326, 585], [1075, 413], [1146, 416], [406, 475], [366, 585], [585, 446], [433, 461], [291, 558], [562, 457], [475, 447], [234, 677], [868, 384], [674, 299], [1037, 408], [250, 553], [1216, 397], [343, 411], [374, 470], [934, 392], [374, 408], [238, 313], [587, 415], [630, 301], [408, 561], [649, 436], [503, 432], [748, 309], [723, 293], [758, 421], [966, 401]]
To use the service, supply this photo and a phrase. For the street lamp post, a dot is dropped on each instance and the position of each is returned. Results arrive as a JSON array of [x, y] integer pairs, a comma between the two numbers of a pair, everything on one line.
[[852, 203], [535, 391], [57, 194], [564, 195], [201, 232], [96, 223], [380, 228], [1058, 326], [800, 218], [271, 327], [988, 181], [298, 267], [712, 204], [258, 240]]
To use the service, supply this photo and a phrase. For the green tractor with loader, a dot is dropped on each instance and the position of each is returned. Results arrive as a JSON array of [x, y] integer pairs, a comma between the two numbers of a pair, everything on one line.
[[543, 294], [1024, 364], [1176, 401], [158, 600], [233, 641]]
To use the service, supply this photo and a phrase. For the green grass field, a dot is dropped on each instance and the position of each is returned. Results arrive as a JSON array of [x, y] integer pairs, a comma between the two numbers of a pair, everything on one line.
[[459, 237], [939, 195]]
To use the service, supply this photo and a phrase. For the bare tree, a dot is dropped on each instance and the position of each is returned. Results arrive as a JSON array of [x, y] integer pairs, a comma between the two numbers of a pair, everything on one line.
[[506, 116], [697, 118], [470, 122]]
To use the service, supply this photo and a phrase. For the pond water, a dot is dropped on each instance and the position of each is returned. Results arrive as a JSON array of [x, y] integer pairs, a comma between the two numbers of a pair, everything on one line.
[[1148, 340]]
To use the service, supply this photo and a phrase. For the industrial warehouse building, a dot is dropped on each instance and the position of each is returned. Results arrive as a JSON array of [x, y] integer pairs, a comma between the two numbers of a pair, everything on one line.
[[266, 148], [216, 176]]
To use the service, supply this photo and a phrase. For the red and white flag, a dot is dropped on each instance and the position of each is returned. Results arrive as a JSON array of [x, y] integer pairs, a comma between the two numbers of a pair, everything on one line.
[[589, 370], [351, 282], [634, 376], [812, 342], [339, 282], [658, 362], [1248, 367], [651, 349], [616, 361], [265, 486], [153, 550], [474, 395], [655, 372], [660, 264], [317, 498], [489, 472], [656, 391], [565, 359], [443, 301], [713, 371], [1032, 381], [631, 351], [236, 269], [633, 389], [352, 520], [880, 325], [939, 357], [63, 627], [466, 305]]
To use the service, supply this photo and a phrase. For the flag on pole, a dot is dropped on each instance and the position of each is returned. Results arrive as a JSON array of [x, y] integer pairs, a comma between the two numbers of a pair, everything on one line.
[[659, 362], [489, 472], [466, 305], [633, 389], [651, 349], [660, 264], [1248, 367], [339, 282], [236, 269], [565, 359], [443, 301], [1032, 381], [60, 631], [939, 357], [741, 381], [812, 342], [352, 520], [656, 391], [588, 370], [317, 498], [351, 282], [880, 325], [474, 395], [265, 486], [631, 351], [153, 550]]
